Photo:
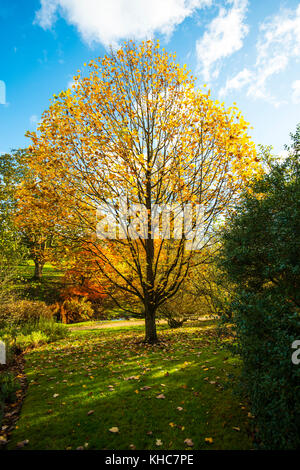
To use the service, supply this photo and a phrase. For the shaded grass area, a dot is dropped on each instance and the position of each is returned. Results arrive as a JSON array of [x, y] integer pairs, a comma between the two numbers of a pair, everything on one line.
[[46, 290], [81, 387]]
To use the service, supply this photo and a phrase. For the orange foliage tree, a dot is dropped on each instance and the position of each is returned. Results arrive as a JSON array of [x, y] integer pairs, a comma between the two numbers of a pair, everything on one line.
[[136, 127], [83, 277]]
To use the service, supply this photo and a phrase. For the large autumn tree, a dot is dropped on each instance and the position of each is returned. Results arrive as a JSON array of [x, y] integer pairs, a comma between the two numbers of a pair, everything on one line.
[[134, 126]]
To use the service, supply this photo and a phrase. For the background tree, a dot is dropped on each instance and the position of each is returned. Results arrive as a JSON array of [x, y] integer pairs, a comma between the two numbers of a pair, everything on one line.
[[25, 224], [12, 249], [135, 127], [84, 279], [212, 288], [36, 221], [13, 171]]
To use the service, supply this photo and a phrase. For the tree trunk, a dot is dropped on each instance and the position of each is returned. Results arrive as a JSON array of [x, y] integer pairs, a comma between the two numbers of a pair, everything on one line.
[[38, 270], [150, 326], [149, 295]]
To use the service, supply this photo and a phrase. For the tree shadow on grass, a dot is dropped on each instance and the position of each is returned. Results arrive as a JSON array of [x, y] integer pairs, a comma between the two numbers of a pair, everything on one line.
[[105, 374]]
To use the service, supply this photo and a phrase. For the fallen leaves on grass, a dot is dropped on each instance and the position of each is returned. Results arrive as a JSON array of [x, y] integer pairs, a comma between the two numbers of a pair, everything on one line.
[[3, 440], [189, 442], [23, 443], [115, 365], [209, 440], [114, 429]]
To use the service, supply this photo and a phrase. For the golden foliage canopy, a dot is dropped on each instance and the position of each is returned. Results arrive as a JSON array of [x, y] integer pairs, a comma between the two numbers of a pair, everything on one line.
[[135, 125]]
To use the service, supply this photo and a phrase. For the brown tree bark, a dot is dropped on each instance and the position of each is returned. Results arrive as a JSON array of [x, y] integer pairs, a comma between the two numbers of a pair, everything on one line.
[[150, 307], [150, 325], [38, 270]]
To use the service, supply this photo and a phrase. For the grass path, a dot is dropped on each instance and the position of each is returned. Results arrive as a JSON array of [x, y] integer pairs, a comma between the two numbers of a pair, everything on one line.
[[154, 397], [96, 325]]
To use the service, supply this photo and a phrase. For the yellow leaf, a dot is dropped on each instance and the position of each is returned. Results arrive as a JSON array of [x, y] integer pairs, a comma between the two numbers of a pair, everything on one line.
[[114, 429], [189, 442], [209, 440]]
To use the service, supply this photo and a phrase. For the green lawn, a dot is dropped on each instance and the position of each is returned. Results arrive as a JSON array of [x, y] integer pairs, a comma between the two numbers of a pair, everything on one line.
[[104, 371], [26, 271]]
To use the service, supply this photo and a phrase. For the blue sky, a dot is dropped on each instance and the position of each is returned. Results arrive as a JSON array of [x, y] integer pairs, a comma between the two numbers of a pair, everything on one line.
[[247, 52]]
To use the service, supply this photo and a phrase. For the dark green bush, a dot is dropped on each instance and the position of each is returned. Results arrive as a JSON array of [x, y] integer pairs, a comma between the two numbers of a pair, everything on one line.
[[8, 388], [266, 327], [20, 312], [261, 256]]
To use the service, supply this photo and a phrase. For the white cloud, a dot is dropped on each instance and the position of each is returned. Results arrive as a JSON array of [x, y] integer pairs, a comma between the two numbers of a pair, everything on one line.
[[296, 91], [223, 37], [258, 87], [46, 16], [108, 21], [33, 119], [237, 82], [281, 35], [278, 44]]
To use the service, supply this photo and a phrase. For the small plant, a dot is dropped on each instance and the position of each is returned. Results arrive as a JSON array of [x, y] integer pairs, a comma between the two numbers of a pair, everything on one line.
[[178, 309], [53, 330], [21, 335], [34, 339], [76, 310]]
